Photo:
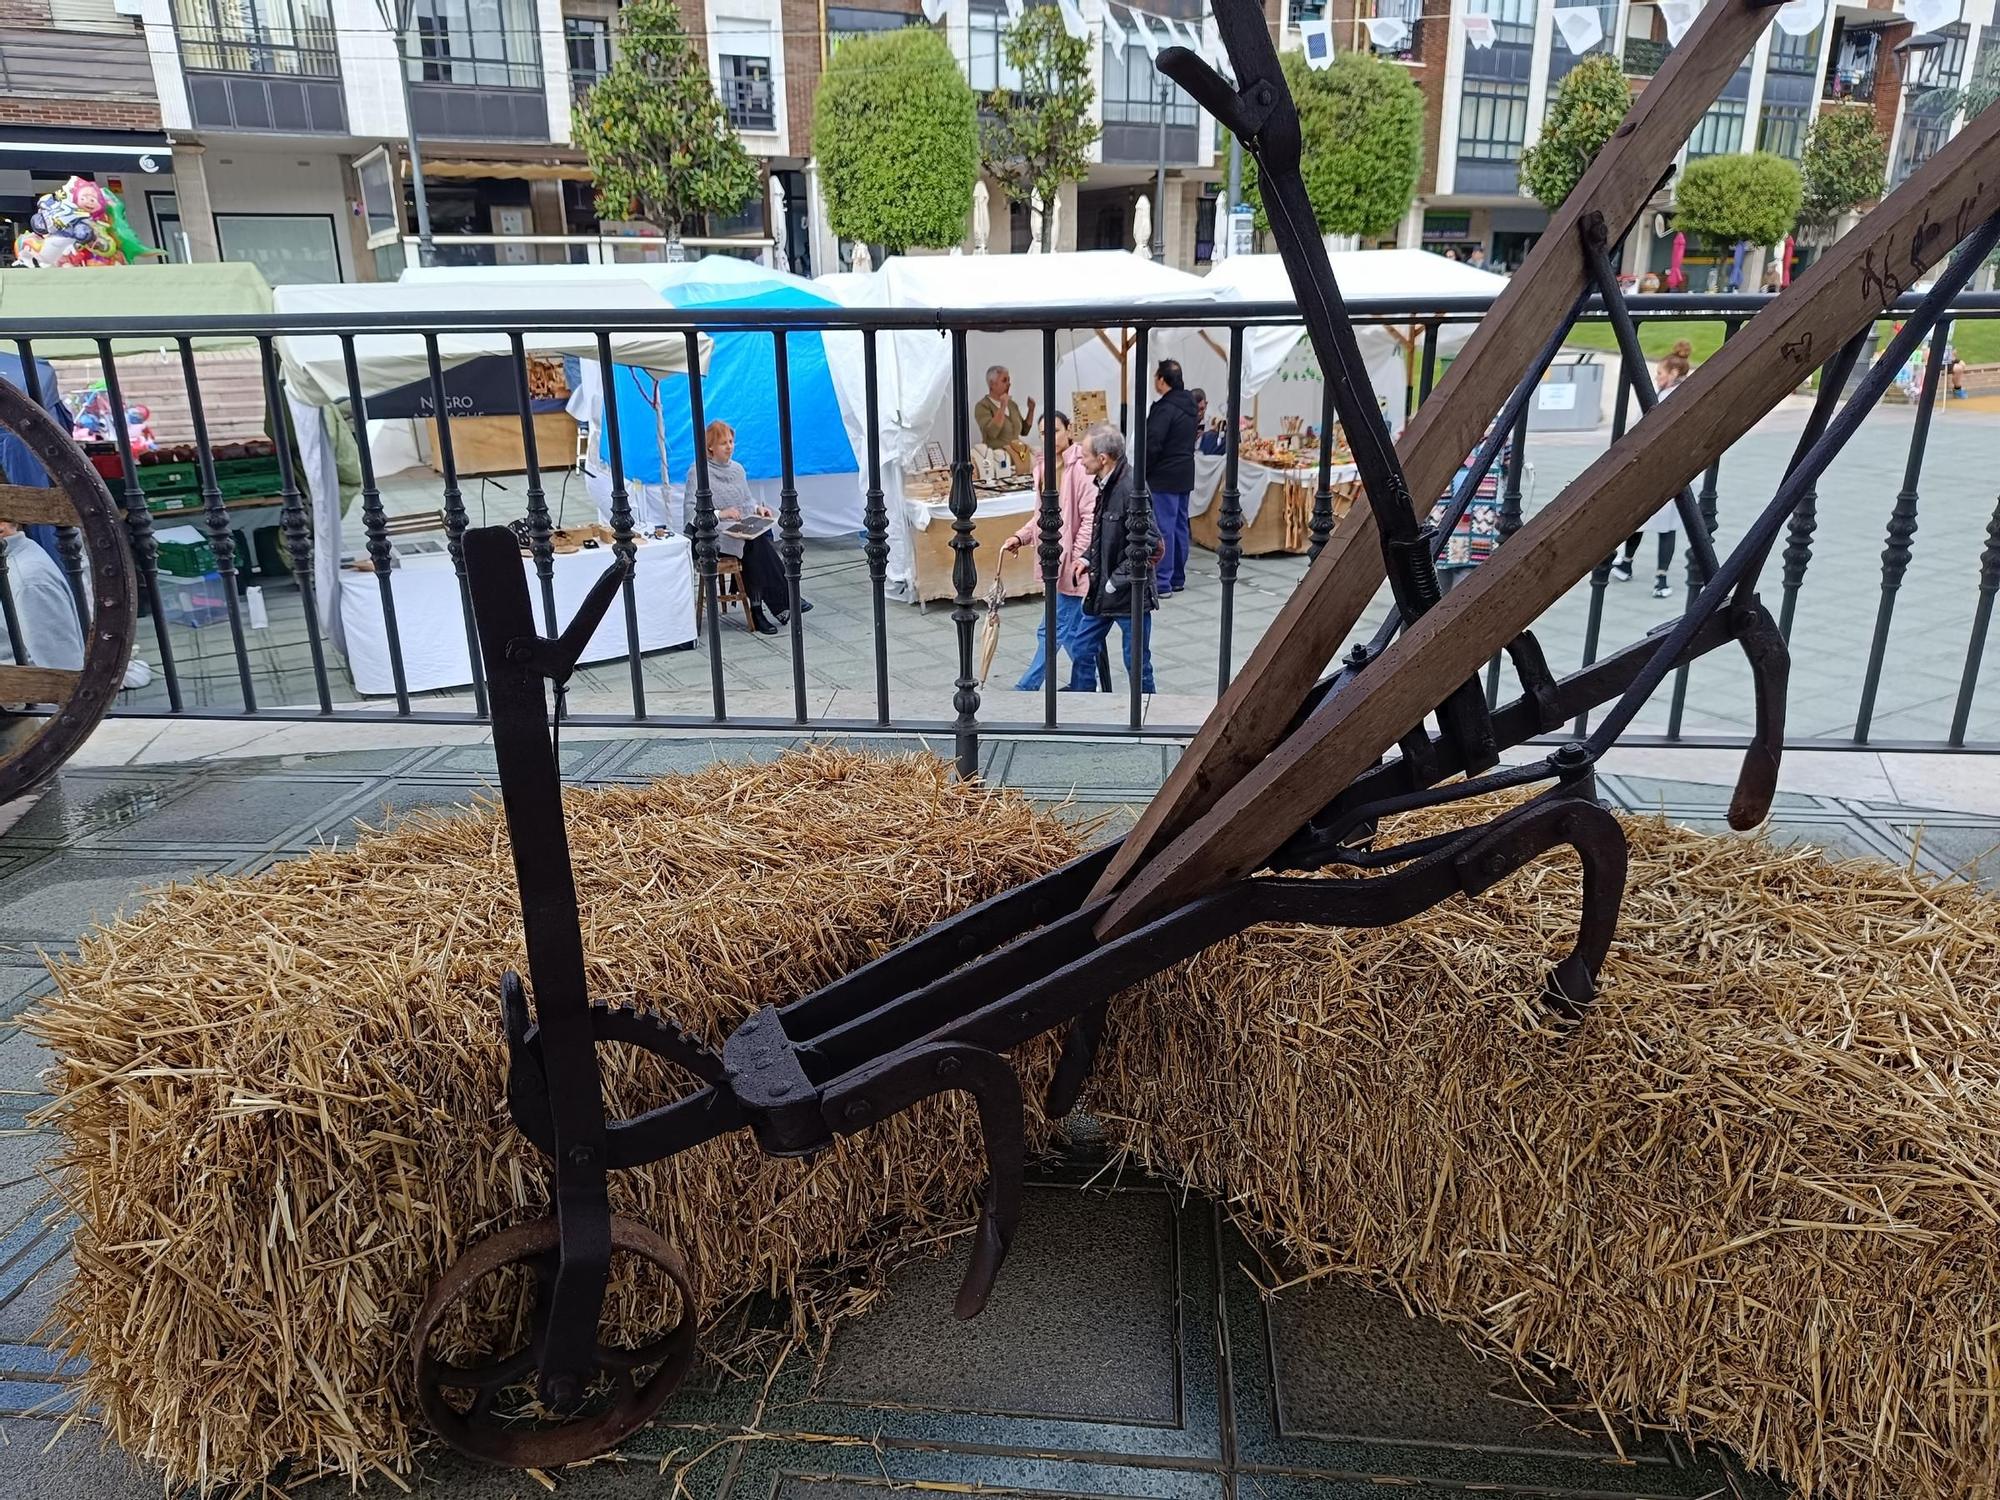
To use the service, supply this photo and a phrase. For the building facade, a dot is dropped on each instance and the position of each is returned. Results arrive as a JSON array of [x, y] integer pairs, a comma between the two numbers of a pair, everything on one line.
[[1486, 101], [276, 131], [76, 99]]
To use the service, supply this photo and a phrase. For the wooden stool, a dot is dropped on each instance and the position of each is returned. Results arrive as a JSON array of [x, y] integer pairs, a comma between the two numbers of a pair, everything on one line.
[[728, 590]]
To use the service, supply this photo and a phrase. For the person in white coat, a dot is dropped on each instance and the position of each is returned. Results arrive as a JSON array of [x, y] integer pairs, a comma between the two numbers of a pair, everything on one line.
[[50, 636]]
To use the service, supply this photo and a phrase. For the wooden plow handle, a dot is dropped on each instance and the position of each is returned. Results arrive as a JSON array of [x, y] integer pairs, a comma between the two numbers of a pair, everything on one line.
[[1913, 228], [1258, 709]]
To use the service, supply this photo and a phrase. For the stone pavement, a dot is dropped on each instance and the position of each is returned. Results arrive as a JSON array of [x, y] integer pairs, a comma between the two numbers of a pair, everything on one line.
[[1127, 1351], [1836, 612]]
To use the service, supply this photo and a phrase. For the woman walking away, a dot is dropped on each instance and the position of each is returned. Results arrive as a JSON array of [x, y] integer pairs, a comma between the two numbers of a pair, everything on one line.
[[1077, 496], [1666, 522]]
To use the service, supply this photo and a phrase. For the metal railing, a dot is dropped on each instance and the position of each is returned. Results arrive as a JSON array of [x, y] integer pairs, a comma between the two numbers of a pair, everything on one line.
[[1954, 610]]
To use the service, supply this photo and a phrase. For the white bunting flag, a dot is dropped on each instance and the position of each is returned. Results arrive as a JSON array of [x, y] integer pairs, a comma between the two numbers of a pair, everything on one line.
[[1114, 34], [1801, 17], [1015, 8], [1978, 13], [1930, 15], [934, 10], [1190, 37], [1581, 27], [1316, 37], [1479, 32], [1388, 32], [1073, 21], [1679, 15], [1144, 33]]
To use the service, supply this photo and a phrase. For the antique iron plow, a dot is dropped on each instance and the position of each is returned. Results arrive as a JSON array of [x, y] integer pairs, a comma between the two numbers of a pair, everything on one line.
[[1228, 844]]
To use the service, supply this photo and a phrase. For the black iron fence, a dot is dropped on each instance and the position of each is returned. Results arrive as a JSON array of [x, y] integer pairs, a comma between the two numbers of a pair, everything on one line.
[[1934, 667]]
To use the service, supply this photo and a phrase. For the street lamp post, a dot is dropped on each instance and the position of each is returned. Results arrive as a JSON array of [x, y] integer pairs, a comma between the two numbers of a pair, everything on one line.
[[1160, 179], [396, 16]]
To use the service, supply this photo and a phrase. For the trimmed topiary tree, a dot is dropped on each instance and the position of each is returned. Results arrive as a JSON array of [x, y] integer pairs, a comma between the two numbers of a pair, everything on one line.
[[1589, 104], [1843, 166], [658, 140], [1754, 197], [1040, 138], [896, 130], [1363, 123]]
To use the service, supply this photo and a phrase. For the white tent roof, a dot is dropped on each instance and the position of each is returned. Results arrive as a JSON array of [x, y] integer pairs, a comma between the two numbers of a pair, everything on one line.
[[1362, 276], [316, 370], [914, 373], [717, 271]]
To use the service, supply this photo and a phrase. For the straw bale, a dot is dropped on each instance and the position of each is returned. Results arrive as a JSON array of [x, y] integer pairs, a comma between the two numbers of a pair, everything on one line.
[[281, 1097], [1753, 1195]]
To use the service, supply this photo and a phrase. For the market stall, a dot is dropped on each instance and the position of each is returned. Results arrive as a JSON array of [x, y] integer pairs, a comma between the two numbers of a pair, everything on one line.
[[739, 386], [1284, 390], [315, 372], [914, 410], [430, 620]]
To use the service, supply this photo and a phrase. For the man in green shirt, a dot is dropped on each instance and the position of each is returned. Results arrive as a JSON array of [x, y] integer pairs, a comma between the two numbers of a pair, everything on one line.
[[1001, 423]]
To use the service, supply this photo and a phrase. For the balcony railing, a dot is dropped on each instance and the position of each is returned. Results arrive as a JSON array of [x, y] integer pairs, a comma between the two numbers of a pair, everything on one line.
[[751, 103], [1857, 87], [379, 580]]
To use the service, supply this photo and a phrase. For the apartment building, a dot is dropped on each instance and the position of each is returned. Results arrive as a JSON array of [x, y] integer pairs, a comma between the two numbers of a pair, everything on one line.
[[76, 99], [1489, 69]]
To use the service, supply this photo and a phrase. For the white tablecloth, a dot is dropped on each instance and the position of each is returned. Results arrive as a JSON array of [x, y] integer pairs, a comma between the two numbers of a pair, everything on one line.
[[985, 503], [1252, 480], [430, 623]]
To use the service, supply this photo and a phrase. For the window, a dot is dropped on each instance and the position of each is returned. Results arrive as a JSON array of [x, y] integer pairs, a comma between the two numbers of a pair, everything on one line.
[[167, 233], [1793, 54], [746, 91], [1931, 106], [1307, 10], [287, 248], [587, 40], [1132, 90], [1513, 22], [1492, 120], [1411, 13], [1207, 218], [1851, 72], [1718, 132], [844, 22], [1782, 129], [283, 37], [986, 65], [483, 43], [376, 175]]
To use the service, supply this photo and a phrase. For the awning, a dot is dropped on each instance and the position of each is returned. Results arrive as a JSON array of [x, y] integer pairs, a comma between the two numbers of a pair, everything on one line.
[[61, 153], [512, 171]]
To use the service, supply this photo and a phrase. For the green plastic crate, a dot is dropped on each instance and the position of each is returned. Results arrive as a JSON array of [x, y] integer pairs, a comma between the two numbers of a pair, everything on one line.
[[187, 559]]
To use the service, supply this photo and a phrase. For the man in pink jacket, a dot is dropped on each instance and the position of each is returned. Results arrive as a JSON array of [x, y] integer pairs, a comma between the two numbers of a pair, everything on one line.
[[1077, 496]]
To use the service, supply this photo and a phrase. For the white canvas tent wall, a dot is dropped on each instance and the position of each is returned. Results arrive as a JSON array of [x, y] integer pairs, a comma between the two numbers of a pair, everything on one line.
[[316, 374], [914, 368], [1281, 375]]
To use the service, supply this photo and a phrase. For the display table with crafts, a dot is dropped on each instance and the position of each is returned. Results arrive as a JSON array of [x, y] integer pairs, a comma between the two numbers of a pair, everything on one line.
[[430, 621], [999, 513], [1276, 502]]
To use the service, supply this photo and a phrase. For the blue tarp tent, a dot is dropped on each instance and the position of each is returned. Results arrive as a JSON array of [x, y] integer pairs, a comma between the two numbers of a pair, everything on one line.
[[740, 388]]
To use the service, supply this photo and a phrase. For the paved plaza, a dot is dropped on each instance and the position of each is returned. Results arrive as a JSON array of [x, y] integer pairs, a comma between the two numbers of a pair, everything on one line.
[[1127, 1351], [1836, 611]]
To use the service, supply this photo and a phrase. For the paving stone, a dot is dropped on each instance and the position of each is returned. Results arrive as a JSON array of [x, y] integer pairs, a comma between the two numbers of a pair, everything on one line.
[[1081, 1326], [1971, 853], [59, 897], [385, 806], [1061, 764], [1350, 1363], [237, 810], [42, 1464], [1646, 794], [20, 983], [85, 802]]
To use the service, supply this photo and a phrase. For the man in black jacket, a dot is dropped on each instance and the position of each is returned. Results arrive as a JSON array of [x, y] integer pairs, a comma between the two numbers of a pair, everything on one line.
[[1107, 598], [1172, 427]]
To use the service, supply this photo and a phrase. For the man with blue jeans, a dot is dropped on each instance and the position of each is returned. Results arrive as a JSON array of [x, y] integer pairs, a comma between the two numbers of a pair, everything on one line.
[[1172, 429], [1107, 599]]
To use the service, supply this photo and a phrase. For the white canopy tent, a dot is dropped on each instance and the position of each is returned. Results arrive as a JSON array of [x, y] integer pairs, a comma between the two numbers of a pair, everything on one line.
[[316, 374], [914, 367], [1281, 375]]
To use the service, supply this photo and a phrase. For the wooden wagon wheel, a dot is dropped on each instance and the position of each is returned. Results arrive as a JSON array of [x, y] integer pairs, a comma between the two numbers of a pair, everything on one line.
[[46, 712]]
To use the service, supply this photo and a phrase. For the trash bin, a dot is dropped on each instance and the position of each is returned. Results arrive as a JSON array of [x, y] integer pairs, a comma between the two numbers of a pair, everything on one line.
[[1570, 397]]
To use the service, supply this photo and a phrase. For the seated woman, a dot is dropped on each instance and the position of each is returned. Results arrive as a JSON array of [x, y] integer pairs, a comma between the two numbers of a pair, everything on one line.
[[763, 569]]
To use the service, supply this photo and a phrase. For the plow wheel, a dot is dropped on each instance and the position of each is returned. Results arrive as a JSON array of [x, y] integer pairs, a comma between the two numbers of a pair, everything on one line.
[[47, 711], [488, 1408]]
